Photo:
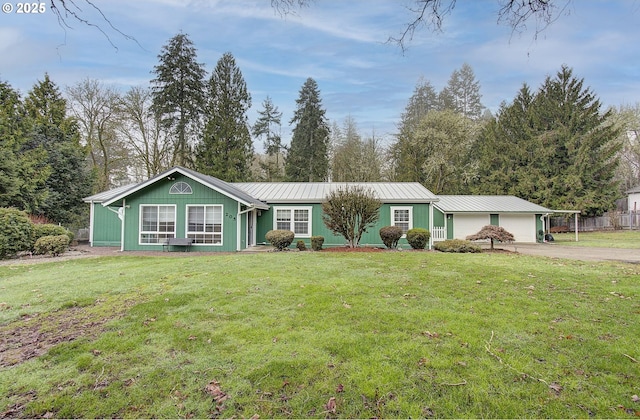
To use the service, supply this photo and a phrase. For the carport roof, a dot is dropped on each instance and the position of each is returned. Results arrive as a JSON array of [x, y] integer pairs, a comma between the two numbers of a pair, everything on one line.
[[487, 204]]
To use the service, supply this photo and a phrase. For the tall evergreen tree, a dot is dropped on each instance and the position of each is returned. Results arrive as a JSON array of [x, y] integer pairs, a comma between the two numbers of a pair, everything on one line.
[[268, 127], [52, 130], [462, 93], [556, 148], [23, 169], [226, 149], [308, 158], [179, 94]]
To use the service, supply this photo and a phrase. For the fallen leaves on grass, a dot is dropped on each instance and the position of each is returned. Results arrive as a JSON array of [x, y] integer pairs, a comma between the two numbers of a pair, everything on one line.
[[330, 406], [219, 396]]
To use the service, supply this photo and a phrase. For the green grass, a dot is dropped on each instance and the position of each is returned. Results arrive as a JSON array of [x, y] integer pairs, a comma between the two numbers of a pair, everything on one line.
[[393, 334], [629, 239]]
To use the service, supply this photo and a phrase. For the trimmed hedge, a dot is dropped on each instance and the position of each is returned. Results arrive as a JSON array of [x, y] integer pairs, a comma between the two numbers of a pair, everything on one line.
[[48, 229], [15, 232], [456, 245], [301, 245], [316, 242], [390, 236], [418, 238], [52, 245], [280, 239]]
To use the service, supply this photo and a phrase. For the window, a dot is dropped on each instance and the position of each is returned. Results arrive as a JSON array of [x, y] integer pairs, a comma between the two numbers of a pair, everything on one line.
[[402, 217], [157, 223], [204, 224], [295, 219], [180, 188]]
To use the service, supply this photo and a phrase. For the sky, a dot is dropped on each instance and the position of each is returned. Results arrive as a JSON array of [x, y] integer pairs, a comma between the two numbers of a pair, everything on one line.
[[340, 44]]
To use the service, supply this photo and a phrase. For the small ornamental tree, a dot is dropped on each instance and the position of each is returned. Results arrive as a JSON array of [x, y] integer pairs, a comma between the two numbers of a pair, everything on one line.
[[350, 212], [494, 233]]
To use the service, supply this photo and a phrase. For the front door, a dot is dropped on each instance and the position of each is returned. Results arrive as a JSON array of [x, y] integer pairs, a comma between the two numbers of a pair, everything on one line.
[[250, 216]]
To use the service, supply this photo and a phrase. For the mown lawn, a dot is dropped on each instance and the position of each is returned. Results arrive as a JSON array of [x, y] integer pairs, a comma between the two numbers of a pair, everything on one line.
[[337, 335], [629, 239]]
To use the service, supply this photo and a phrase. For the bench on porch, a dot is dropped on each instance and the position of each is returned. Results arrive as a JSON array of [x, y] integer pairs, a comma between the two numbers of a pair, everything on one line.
[[184, 242]]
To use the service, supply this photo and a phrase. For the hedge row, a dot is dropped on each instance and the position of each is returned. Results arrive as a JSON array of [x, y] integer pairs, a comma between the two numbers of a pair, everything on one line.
[[19, 234]]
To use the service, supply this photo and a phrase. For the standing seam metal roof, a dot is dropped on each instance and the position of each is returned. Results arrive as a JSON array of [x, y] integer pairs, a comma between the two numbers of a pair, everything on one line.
[[487, 204], [309, 192]]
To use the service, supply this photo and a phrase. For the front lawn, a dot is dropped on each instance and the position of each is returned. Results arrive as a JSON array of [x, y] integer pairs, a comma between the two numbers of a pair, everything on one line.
[[337, 335]]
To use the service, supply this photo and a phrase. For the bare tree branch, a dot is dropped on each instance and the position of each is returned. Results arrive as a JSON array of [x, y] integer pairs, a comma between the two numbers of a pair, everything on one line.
[[69, 9]]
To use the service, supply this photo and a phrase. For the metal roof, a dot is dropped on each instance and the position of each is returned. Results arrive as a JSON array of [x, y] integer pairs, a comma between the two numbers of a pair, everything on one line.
[[487, 204], [111, 196], [315, 192]]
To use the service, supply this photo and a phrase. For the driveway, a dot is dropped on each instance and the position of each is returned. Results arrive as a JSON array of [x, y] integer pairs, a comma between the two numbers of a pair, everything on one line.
[[576, 252]]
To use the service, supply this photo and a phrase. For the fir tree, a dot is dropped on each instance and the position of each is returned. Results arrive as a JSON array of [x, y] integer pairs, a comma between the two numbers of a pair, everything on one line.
[[267, 127], [178, 93], [226, 150], [308, 158]]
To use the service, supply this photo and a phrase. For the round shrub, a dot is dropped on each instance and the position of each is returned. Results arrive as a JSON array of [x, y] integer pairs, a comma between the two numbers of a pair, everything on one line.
[[280, 239], [418, 238], [52, 245], [456, 245], [48, 229], [15, 232], [301, 246], [316, 242], [390, 236]]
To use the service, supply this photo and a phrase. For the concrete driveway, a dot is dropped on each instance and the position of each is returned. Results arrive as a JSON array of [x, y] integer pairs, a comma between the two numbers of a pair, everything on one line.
[[575, 252]]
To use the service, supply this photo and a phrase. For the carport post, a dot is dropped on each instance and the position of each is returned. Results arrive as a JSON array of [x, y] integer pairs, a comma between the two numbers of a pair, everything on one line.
[[575, 215]]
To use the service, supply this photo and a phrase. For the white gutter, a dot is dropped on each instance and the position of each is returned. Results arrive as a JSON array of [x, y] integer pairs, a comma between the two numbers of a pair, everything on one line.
[[124, 210]]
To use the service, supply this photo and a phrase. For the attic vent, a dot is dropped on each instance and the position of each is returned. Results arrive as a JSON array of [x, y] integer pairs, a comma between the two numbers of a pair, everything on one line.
[[180, 188]]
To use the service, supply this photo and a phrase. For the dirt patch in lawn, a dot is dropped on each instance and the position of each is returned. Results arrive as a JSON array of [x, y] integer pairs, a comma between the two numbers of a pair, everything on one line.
[[33, 335]]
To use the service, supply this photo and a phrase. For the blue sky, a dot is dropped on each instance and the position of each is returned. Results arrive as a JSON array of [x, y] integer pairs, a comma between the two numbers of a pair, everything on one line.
[[341, 44]]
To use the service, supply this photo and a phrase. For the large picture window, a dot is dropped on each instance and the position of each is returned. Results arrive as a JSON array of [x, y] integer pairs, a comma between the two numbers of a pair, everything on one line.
[[157, 223], [402, 217], [295, 219], [204, 224]]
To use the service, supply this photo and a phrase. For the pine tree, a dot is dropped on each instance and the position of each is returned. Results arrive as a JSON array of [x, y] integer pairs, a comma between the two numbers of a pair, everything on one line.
[[226, 150], [56, 133], [308, 158], [268, 127], [179, 94]]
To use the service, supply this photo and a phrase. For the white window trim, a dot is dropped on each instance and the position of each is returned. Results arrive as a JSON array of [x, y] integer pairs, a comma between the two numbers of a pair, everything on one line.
[[175, 222], [186, 223], [291, 209], [393, 220]]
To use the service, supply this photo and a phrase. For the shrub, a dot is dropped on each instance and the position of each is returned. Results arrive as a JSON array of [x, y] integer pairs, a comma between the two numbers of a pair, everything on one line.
[[418, 238], [301, 246], [49, 229], [280, 239], [350, 212], [52, 245], [15, 232], [456, 245], [316, 242], [390, 236]]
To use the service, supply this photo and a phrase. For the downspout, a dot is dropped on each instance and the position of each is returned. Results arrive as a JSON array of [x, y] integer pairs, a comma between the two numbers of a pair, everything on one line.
[[122, 218], [91, 222]]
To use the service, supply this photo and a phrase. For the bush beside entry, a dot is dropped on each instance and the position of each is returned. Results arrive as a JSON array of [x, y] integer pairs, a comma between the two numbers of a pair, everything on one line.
[[418, 238], [280, 239]]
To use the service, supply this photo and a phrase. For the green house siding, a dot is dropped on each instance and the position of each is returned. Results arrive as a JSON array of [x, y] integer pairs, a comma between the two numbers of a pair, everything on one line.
[[265, 223], [158, 194], [107, 227]]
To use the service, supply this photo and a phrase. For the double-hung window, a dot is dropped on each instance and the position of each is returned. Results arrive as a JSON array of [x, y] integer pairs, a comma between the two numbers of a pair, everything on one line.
[[157, 223], [295, 219], [402, 217], [204, 224]]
